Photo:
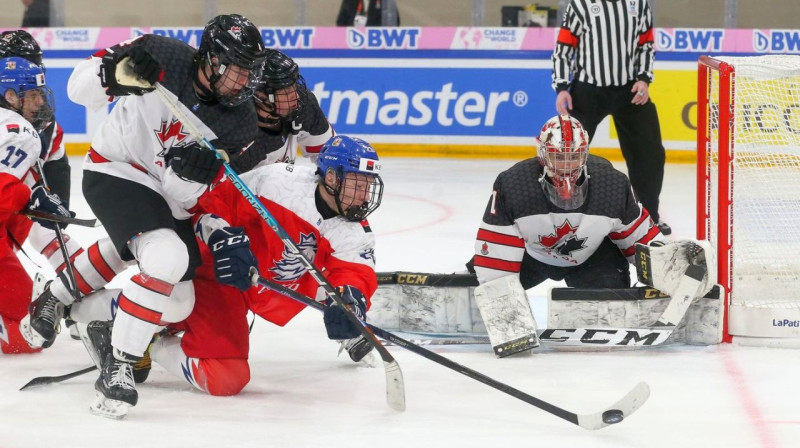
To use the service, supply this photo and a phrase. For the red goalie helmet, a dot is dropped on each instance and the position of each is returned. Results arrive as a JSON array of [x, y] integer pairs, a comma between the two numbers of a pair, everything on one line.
[[563, 147]]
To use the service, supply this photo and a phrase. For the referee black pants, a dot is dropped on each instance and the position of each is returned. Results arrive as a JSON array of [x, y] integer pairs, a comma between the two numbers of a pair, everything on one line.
[[638, 130]]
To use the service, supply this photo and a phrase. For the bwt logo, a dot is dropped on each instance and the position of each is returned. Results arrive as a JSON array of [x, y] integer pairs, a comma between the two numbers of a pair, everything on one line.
[[273, 37], [776, 41], [189, 36], [377, 38], [287, 37], [690, 40], [445, 107]]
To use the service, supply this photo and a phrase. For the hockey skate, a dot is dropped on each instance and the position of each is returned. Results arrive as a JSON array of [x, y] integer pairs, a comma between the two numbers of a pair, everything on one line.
[[115, 389], [359, 350], [96, 337], [43, 322]]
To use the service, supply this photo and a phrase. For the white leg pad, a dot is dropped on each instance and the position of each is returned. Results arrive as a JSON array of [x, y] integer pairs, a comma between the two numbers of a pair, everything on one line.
[[507, 315]]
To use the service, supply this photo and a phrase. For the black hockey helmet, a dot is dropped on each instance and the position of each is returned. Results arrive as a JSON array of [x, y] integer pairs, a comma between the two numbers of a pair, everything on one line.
[[281, 94], [21, 44], [230, 40]]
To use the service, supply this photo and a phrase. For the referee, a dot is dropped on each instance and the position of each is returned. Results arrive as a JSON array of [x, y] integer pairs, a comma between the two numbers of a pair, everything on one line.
[[603, 65]]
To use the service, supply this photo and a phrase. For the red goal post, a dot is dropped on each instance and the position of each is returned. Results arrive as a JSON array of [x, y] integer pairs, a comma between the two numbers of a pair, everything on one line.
[[748, 191]]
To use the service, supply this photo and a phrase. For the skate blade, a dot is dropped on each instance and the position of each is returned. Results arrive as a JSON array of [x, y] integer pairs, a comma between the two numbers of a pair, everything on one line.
[[109, 408], [369, 361]]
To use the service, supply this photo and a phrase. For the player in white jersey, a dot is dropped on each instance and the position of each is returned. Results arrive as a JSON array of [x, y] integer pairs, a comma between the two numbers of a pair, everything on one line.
[[56, 167], [289, 117], [563, 215], [139, 157], [26, 107], [325, 212]]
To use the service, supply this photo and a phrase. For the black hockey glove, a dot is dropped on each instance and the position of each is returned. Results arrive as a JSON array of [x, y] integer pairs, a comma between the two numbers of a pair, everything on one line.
[[337, 324], [43, 200], [233, 259], [137, 78], [195, 163]]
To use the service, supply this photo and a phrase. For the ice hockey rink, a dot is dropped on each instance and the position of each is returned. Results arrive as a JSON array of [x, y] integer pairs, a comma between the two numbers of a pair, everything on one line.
[[302, 395]]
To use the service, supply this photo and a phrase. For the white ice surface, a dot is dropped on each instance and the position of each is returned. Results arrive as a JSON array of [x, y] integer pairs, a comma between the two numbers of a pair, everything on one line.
[[302, 395]]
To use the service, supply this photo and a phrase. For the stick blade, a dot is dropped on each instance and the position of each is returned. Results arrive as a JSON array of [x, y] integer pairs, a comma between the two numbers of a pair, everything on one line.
[[38, 381], [629, 404], [45, 380], [395, 386]]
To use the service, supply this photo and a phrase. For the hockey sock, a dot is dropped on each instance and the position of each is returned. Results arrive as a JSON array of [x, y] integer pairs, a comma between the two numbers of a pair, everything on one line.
[[139, 314], [94, 268], [45, 241], [219, 377]]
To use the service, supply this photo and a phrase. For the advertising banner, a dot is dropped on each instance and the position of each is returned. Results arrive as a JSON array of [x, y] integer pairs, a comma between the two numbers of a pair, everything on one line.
[[429, 88]]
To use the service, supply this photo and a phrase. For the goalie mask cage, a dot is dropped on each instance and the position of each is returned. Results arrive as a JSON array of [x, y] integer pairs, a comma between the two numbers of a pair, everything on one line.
[[748, 191]]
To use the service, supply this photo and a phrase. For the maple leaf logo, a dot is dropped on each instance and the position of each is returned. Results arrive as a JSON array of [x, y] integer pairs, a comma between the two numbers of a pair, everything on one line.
[[563, 241], [168, 131]]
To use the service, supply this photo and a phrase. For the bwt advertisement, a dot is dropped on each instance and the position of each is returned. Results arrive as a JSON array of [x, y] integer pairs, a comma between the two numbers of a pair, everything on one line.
[[480, 88]]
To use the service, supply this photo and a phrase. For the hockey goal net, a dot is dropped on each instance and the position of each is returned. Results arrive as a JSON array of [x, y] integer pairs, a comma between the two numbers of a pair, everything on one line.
[[748, 172]]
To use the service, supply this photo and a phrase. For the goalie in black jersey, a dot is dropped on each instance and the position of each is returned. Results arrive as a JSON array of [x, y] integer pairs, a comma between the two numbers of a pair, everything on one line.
[[562, 215]]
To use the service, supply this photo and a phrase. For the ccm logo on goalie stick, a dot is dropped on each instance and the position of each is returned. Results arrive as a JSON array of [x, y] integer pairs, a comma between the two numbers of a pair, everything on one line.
[[606, 336], [411, 279]]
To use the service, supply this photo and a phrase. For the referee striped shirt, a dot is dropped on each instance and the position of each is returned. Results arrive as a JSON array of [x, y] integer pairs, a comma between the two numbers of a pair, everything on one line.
[[607, 42]]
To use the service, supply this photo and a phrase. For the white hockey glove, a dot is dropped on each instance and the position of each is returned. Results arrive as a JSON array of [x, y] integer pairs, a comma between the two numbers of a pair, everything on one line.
[[663, 267]]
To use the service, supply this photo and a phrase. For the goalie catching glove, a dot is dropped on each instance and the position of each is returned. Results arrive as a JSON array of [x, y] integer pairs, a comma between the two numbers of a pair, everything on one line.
[[663, 267], [337, 324], [43, 200], [233, 260], [129, 69]]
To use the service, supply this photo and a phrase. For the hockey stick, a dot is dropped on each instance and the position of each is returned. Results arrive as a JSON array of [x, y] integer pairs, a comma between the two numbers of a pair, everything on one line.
[[73, 286], [427, 279], [395, 388], [45, 380], [626, 406], [61, 219]]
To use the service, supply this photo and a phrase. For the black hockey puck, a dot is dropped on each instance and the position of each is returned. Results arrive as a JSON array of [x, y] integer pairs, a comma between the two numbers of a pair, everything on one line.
[[612, 416]]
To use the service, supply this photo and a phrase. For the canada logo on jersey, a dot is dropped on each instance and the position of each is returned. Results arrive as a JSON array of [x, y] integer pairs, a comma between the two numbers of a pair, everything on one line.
[[290, 268], [170, 134], [563, 241]]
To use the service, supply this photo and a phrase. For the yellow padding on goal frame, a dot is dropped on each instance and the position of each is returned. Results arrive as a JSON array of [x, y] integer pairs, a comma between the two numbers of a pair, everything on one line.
[[462, 152]]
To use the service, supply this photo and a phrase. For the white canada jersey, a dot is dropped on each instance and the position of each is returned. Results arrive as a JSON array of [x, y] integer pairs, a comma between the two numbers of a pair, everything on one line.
[[20, 147], [140, 130], [520, 218]]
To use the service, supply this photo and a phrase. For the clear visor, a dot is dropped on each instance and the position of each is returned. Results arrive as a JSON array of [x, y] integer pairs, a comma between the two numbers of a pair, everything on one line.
[[359, 195], [38, 106], [274, 105], [234, 84]]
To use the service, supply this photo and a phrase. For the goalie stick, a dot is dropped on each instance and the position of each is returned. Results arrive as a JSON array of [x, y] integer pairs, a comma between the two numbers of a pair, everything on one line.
[[623, 408], [61, 219], [45, 380], [395, 388]]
